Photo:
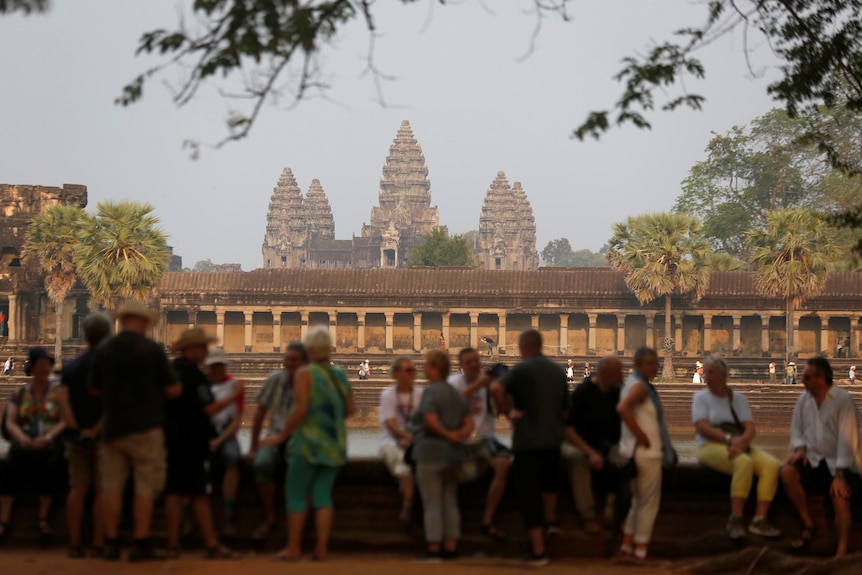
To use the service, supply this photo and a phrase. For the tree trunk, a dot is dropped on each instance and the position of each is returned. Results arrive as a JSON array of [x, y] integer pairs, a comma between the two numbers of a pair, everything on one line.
[[58, 334], [667, 373], [789, 348]]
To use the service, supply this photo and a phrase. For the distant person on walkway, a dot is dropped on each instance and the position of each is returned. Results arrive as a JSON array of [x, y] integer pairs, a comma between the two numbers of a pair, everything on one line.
[[398, 402], [364, 370], [275, 399], [590, 453], [8, 366], [442, 341], [534, 395], [587, 371], [771, 372], [725, 430], [490, 343], [132, 375], [473, 385], [645, 439], [824, 439], [698, 373], [570, 371], [82, 414], [440, 424], [852, 375], [791, 374], [318, 444], [35, 456]]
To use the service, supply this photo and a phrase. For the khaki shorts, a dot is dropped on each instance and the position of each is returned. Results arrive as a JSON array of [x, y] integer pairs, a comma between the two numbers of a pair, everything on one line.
[[144, 453], [393, 458], [83, 468]]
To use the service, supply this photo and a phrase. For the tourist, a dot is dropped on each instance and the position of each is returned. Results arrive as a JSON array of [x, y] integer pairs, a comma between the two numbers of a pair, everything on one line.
[[8, 366], [474, 384], [772, 372], [364, 370], [397, 404], [570, 371], [534, 395], [440, 424], [824, 439], [791, 374], [725, 430], [442, 341], [226, 422], [587, 371], [318, 444], [275, 399], [188, 433], [590, 453], [82, 414], [644, 439], [132, 375], [35, 456], [852, 375], [847, 346], [698, 373], [490, 343], [2, 323]]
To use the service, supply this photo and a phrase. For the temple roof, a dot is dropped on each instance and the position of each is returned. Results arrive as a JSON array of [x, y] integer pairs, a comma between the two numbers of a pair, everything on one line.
[[317, 211]]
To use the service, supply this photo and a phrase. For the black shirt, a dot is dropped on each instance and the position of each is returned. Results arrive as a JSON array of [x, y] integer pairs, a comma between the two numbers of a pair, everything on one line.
[[132, 372], [189, 430], [86, 407], [538, 389], [593, 414]]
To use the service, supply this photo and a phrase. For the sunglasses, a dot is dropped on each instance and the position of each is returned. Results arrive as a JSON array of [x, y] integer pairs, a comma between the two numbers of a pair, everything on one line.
[[410, 370]]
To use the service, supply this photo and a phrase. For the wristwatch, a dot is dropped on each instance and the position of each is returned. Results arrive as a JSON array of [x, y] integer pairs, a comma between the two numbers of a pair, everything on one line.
[[727, 438]]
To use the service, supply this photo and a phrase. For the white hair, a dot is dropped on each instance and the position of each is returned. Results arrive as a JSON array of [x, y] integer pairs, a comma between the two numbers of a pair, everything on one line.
[[318, 341]]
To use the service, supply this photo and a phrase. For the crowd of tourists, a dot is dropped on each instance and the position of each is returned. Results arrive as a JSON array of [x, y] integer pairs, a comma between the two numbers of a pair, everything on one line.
[[124, 409]]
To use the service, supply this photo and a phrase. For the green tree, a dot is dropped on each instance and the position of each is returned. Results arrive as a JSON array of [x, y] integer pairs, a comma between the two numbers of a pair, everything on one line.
[[122, 253], [203, 266], [50, 240], [439, 249], [662, 254], [558, 252], [793, 256]]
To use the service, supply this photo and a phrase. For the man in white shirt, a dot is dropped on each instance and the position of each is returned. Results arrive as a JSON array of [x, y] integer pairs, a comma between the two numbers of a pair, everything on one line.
[[474, 385], [397, 404], [824, 438]]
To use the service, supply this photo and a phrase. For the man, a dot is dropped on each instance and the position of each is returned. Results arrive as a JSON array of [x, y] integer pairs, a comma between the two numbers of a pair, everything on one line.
[[534, 396], [771, 372], [188, 434], [364, 370], [592, 436], [274, 399], [225, 447], [490, 343], [824, 439], [397, 404], [82, 414], [132, 374], [473, 384], [570, 371], [2, 323]]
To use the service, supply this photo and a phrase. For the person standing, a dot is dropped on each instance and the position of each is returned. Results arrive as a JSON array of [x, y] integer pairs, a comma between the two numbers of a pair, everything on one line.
[[646, 440], [275, 399], [8, 366], [852, 375], [824, 439], [398, 402], [82, 414], [2, 323], [534, 395], [771, 372], [570, 371], [132, 375]]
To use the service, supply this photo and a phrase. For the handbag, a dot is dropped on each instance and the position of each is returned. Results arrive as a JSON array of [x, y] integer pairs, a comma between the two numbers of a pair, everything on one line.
[[734, 428], [472, 462]]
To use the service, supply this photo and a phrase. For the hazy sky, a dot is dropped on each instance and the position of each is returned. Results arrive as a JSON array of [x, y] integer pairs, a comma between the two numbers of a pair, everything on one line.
[[475, 108]]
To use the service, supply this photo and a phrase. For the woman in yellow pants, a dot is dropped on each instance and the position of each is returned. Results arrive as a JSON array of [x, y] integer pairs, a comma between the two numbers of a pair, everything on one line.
[[725, 430]]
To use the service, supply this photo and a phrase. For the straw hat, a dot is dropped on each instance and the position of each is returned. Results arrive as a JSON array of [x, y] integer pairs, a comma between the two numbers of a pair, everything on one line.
[[698, 364], [216, 356], [190, 337], [133, 307]]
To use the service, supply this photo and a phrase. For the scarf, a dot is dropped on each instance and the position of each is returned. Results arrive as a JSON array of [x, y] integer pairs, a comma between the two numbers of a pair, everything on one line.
[[669, 457]]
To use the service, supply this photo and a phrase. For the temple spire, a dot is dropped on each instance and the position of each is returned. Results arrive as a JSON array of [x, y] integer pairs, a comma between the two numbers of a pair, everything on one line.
[[284, 221], [318, 212], [507, 228]]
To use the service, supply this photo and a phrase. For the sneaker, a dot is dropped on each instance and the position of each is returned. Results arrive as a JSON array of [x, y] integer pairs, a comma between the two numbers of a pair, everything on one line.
[[552, 528], [429, 557], [735, 528], [764, 528], [534, 560]]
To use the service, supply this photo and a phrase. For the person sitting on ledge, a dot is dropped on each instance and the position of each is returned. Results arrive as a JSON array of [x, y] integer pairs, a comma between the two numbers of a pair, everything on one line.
[[824, 438], [725, 429]]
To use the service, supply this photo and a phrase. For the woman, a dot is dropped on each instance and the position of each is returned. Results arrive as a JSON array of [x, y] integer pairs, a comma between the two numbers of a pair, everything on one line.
[[322, 399], [441, 422], [725, 430], [35, 455]]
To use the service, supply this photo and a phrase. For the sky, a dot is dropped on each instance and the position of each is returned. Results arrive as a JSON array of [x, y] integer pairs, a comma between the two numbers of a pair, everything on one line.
[[477, 105]]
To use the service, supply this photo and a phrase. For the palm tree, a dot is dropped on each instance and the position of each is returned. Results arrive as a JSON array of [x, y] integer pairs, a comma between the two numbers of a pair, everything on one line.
[[122, 253], [662, 254], [793, 256], [51, 240]]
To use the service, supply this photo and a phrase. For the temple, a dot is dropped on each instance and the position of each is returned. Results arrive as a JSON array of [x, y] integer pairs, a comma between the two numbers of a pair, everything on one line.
[[507, 229]]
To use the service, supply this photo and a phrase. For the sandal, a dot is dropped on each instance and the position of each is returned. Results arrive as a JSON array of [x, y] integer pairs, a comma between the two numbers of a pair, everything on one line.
[[220, 552], [75, 552], [262, 532], [282, 556], [805, 538], [491, 531]]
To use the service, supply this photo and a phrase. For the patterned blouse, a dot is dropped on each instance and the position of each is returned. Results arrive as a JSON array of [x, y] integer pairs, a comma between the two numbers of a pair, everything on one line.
[[322, 437], [37, 415]]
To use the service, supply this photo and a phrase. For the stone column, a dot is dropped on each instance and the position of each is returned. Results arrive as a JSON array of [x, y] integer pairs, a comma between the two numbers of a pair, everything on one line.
[[824, 337], [333, 328], [795, 343], [360, 332], [276, 331], [303, 325], [534, 321], [390, 320], [707, 334], [446, 328], [193, 317], [12, 320], [219, 327], [854, 336], [737, 339], [764, 334], [564, 333], [417, 331], [501, 335], [650, 329], [474, 330], [247, 317], [591, 335], [621, 334], [677, 332]]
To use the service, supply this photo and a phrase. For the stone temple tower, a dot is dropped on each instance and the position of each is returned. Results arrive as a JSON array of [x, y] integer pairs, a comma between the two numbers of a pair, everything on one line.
[[404, 215], [318, 213], [507, 229], [285, 225]]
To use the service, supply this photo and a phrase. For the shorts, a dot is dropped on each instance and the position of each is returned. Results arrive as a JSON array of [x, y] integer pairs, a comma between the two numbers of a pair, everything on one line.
[[229, 453], [144, 453], [393, 458], [497, 449], [819, 479], [188, 474], [83, 465], [43, 471], [269, 464]]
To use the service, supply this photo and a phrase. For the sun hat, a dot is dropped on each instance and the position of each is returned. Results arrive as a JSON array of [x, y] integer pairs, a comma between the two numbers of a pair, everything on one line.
[[190, 337], [216, 356]]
